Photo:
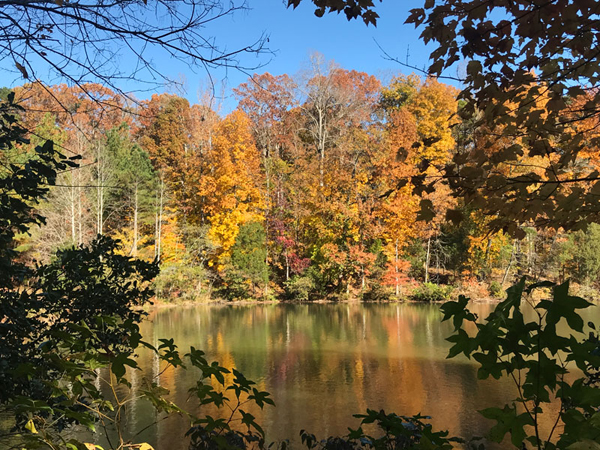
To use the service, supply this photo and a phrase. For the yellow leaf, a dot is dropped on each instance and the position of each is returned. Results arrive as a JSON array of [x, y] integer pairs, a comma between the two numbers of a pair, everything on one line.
[[30, 426], [145, 446]]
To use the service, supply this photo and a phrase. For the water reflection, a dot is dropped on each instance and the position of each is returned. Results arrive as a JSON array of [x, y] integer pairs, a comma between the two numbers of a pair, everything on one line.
[[322, 363]]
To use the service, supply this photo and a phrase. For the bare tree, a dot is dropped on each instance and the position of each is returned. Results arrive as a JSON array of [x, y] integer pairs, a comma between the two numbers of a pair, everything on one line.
[[68, 209], [85, 41], [327, 106], [320, 107]]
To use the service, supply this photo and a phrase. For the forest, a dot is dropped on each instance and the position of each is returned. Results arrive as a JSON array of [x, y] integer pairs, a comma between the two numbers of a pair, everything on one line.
[[323, 185], [327, 185]]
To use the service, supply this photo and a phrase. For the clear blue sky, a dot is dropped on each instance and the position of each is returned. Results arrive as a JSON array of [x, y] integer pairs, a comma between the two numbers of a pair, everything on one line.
[[295, 34]]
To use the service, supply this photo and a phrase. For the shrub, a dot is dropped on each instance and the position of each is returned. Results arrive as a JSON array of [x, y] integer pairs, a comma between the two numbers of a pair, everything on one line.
[[430, 292], [234, 285], [586, 256], [300, 287], [249, 253], [588, 292], [246, 273], [393, 432], [180, 281], [496, 290], [472, 288], [378, 293]]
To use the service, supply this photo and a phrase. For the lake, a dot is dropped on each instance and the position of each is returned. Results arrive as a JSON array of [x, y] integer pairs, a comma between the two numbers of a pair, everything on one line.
[[322, 363]]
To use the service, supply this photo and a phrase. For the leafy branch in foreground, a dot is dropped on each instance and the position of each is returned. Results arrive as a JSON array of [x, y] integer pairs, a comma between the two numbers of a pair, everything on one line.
[[551, 363], [94, 391], [69, 329], [44, 338], [396, 432]]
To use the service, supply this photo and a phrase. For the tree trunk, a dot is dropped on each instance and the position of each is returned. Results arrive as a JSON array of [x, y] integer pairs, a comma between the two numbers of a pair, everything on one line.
[[99, 193], [80, 216], [321, 148], [287, 267], [487, 253], [134, 246], [156, 227], [396, 271], [99, 206], [512, 254], [99, 209], [72, 201], [268, 208], [160, 219], [321, 167], [427, 260]]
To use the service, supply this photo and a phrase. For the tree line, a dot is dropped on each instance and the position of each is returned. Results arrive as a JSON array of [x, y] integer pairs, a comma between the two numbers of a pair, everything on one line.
[[328, 184]]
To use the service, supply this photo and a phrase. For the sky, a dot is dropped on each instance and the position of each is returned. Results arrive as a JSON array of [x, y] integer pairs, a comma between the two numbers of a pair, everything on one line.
[[293, 35]]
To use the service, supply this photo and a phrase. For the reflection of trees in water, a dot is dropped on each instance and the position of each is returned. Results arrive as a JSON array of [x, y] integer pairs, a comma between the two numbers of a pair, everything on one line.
[[323, 363]]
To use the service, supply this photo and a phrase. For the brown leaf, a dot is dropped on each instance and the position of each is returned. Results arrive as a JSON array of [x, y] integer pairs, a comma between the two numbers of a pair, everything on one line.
[[23, 70], [455, 216]]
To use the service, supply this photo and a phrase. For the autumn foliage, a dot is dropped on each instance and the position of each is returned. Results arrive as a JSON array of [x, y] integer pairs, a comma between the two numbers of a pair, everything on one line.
[[323, 185]]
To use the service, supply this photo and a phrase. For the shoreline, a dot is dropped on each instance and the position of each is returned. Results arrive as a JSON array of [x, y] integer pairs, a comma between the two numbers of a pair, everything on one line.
[[474, 295], [159, 304]]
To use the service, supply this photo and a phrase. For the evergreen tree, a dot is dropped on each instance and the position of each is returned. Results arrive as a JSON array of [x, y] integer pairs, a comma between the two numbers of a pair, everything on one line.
[[248, 268], [135, 181]]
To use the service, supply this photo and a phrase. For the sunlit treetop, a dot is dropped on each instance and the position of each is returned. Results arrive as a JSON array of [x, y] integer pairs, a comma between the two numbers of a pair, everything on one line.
[[531, 81]]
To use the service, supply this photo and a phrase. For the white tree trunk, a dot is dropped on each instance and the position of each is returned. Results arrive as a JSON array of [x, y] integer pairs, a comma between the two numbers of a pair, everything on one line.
[[427, 260], [134, 247], [160, 219], [72, 201], [397, 272]]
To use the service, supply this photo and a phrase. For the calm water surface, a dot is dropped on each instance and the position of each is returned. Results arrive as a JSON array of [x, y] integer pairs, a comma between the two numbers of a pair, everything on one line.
[[322, 363]]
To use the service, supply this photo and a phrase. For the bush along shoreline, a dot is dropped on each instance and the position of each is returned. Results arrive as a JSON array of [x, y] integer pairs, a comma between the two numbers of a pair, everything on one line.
[[413, 291]]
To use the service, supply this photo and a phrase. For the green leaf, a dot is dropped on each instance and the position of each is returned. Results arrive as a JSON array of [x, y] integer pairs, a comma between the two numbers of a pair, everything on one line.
[[507, 421], [119, 363], [584, 444], [462, 344]]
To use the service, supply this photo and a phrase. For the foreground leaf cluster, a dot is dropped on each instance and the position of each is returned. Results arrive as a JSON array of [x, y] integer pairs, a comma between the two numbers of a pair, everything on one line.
[[553, 362]]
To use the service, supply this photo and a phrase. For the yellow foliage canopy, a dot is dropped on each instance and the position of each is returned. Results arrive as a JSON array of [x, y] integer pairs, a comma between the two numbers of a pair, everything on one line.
[[231, 181]]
